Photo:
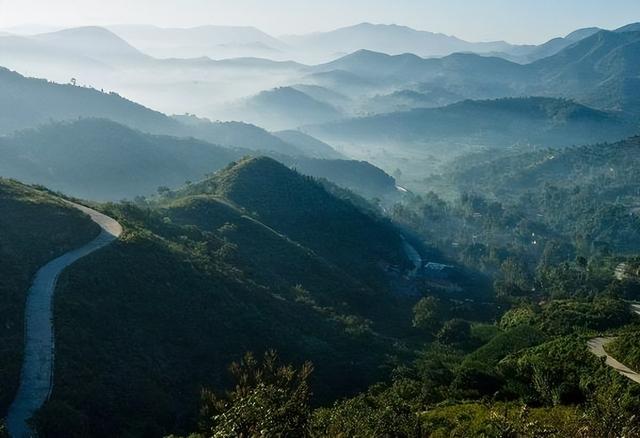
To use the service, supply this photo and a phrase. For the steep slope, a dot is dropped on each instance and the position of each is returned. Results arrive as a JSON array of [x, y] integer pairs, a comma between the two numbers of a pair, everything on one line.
[[36, 379], [207, 274], [360, 177], [303, 210], [35, 227], [100, 159]]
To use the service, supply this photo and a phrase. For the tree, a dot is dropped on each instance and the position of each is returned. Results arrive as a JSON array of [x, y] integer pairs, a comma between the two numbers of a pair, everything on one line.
[[426, 314], [268, 400], [455, 332], [512, 281]]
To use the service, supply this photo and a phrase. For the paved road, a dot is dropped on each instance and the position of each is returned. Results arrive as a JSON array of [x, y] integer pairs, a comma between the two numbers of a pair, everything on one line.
[[36, 380], [596, 346]]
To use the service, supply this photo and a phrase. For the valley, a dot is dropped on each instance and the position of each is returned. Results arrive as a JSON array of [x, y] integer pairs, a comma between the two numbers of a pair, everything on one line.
[[367, 231]]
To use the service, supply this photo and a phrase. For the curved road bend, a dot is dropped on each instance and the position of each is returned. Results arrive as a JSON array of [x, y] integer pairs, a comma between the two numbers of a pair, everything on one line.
[[596, 346], [36, 380]]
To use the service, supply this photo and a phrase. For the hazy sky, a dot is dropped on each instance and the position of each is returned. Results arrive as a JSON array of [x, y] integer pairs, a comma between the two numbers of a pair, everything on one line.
[[513, 20]]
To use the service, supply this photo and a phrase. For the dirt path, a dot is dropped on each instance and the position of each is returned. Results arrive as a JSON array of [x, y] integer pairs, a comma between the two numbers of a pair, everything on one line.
[[36, 380]]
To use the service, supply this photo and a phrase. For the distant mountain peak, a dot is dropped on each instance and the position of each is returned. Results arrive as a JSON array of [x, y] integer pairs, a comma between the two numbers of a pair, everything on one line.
[[631, 27], [91, 41], [581, 34]]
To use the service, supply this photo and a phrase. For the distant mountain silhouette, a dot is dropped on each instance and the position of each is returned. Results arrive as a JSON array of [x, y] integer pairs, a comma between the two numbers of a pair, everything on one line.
[[29, 102], [100, 159], [632, 27], [391, 39], [194, 42], [281, 108], [489, 123], [599, 71], [311, 147], [93, 42]]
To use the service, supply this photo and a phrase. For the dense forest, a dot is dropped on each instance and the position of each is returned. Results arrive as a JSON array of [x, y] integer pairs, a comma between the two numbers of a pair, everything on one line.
[[463, 357]]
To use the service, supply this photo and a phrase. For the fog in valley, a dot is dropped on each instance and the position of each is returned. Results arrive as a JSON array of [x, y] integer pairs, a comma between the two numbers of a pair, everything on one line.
[[319, 219]]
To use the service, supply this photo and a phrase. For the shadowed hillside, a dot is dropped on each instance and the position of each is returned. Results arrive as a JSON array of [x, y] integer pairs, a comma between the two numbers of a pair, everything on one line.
[[36, 228]]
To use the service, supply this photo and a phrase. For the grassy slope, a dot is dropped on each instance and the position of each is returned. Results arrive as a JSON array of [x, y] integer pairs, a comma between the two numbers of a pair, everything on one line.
[[197, 281], [303, 210], [35, 227]]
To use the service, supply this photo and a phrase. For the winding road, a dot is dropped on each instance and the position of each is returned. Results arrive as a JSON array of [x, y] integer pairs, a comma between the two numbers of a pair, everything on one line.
[[597, 347], [36, 380]]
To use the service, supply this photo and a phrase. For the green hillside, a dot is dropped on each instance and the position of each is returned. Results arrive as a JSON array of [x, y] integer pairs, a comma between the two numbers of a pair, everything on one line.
[[30, 102], [103, 160], [256, 257], [36, 227], [331, 227], [100, 159]]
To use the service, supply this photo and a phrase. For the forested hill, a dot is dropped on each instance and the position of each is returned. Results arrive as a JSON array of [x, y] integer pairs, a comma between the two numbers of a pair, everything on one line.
[[255, 257], [35, 228], [489, 123], [587, 193], [28, 102], [613, 167], [103, 160], [302, 209]]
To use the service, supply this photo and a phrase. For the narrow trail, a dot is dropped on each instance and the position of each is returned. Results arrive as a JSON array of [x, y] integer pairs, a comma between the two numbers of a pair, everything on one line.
[[36, 379]]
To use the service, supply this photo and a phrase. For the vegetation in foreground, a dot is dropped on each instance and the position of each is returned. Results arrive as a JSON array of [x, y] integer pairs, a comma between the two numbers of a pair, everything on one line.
[[36, 227]]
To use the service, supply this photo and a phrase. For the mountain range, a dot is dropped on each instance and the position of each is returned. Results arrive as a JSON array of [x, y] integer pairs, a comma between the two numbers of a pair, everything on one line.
[[226, 88], [458, 297], [490, 123], [279, 109], [139, 148], [599, 70], [204, 41]]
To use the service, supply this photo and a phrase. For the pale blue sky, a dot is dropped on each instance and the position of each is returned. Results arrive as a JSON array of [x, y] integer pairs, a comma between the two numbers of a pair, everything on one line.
[[520, 21]]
